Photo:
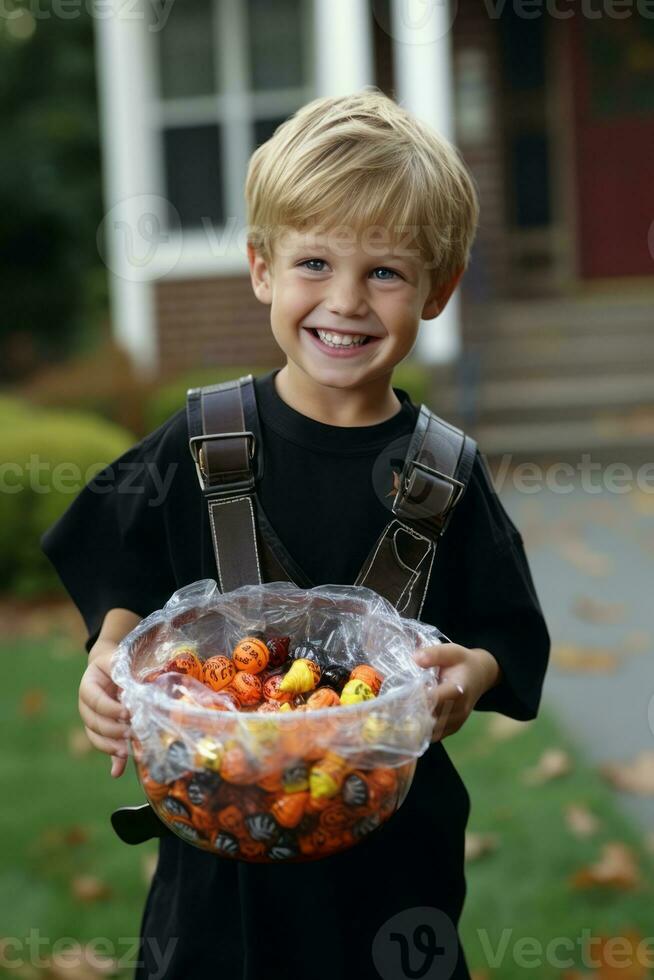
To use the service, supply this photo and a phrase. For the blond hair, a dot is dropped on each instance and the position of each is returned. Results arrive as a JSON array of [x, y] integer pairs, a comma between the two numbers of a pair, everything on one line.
[[364, 161]]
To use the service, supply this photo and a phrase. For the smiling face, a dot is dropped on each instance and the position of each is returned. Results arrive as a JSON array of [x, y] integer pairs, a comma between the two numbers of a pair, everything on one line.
[[320, 281]]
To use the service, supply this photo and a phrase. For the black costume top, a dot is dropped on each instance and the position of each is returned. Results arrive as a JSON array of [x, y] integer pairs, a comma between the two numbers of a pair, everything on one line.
[[140, 530]]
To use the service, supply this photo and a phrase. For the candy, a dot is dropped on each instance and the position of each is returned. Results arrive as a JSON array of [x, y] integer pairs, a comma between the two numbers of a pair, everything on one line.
[[269, 706], [174, 807], [364, 672], [218, 672], [231, 819], [278, 649], [323, 697], [356, 691], [327, 775], [246, 687], [226, 844], [289, 808], [271, 689], [201, 787], [308, 651], [251, 654], [262, 827], [296, 777], [236, 766], [336, 676], [209, 753], [355, 790], [184, 660], [304, 675], [375, 728]]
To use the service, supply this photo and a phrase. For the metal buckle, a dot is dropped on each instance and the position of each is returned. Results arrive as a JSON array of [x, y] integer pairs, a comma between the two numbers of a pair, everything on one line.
[[456, 485], [198, 456]]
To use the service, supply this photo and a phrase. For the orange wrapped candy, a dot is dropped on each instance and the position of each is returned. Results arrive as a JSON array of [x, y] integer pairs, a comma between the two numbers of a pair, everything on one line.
[[251, 654], [271, 691], [218, 672], [246, 687], [185, 660], [324, 697]]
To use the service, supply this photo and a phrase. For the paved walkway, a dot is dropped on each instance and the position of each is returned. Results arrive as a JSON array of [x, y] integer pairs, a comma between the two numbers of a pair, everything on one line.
[[592, 558]]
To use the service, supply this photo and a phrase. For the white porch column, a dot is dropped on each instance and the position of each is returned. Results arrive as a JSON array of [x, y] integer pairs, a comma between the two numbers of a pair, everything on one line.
[[424, 85], [342, 46], [130, 228]]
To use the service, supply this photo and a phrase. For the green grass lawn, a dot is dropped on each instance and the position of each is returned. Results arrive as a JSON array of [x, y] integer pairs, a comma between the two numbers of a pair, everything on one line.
[[54, 827]]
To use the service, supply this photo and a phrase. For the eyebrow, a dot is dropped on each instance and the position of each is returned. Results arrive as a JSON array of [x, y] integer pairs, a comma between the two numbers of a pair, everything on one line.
[[411, 261]]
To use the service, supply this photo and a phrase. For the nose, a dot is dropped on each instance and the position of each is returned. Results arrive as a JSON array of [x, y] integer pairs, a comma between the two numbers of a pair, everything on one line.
[[345, 297]]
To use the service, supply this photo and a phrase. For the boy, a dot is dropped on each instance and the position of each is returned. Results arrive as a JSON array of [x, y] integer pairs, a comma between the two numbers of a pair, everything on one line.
[[330, 198]]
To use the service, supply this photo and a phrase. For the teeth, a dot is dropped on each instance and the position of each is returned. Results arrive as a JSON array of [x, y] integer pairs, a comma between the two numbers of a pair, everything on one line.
[[341, 339]]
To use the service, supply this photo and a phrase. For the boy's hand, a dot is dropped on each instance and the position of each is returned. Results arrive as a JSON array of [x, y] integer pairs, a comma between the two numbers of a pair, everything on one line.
[[465, 674], [106, 721]]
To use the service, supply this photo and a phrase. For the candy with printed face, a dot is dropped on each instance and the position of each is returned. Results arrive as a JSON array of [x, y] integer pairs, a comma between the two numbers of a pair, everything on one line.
[[303, 676], [323, 697], [356, 691], [185, 660], [368, 674], [327, 776], [218, 672], [278, 649], [247, 688], [251, 655], [271, 691], [355, 790]]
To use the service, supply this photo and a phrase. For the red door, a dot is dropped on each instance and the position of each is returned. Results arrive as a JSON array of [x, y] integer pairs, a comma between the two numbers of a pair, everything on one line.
[[613, 82]]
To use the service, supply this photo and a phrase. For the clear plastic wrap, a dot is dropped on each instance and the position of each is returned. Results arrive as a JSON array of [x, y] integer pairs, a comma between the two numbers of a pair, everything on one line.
[[240, 777]]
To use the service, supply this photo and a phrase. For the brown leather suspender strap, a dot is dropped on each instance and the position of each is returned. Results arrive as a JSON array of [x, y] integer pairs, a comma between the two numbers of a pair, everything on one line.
[[223, 450], [229, 462]]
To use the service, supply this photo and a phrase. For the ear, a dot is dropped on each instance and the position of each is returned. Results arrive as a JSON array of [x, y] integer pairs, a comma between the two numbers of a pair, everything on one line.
[[260, 275], [438, 300]]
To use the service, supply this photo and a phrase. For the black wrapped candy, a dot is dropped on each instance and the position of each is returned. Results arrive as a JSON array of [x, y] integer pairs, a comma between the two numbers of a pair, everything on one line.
[[285, 848], [366, 825], [178, 759], [262, 827], [174, 807], [226, 843], [202, 786], [355, 790], [304, 650], [335, 675], [188, 832]]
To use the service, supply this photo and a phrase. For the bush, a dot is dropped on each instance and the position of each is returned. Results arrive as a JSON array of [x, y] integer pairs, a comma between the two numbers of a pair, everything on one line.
[[102, 382], [47, 457]]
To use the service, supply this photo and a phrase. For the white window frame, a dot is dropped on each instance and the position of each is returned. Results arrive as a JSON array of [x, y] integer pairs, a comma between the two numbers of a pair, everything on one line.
[[234, 107]]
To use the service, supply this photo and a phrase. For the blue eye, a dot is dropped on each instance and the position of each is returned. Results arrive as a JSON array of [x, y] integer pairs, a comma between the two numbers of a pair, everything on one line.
[[379, 268]]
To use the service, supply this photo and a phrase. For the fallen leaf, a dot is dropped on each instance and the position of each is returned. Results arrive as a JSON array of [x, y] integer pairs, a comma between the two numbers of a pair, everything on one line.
[[616, 868], [78, 743], [552, 764], [88, 888], [77, 962], [625, 962], [599, 611], [581, 821], [32, 702], [632, 777], [579, 554], [478, 845], [584, 660], [501, 727]]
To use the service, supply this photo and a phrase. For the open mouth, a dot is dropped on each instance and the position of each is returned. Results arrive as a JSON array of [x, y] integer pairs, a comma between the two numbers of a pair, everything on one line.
[[345, 346]]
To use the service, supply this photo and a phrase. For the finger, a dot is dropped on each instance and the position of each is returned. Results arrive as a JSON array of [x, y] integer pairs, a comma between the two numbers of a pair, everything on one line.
[[440, 655], [96, 698], [448, 691], [111, 746], [118, 766], [101, 725]]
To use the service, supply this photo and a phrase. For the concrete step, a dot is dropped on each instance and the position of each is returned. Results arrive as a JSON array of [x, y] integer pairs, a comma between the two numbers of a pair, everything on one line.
[[530, 440], [546, 356]]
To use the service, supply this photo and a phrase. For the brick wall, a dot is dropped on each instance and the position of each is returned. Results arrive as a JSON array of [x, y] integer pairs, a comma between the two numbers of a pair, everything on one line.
[[213, 321]]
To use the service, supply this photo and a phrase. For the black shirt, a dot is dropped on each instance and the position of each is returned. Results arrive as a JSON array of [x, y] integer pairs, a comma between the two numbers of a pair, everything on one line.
[[139, 531]]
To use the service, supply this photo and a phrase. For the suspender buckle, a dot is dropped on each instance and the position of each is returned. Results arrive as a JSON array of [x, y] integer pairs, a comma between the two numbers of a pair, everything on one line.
[[441, 484], [197, 452]]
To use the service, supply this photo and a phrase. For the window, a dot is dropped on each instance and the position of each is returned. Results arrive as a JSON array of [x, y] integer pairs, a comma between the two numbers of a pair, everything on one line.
[[229, 73]]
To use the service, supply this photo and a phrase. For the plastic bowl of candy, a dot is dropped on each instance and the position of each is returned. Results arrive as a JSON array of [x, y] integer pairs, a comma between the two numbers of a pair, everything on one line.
[[274, 723]]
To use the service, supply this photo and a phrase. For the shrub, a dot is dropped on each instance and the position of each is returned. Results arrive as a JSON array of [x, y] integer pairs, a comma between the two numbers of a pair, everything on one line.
[[47, 457]]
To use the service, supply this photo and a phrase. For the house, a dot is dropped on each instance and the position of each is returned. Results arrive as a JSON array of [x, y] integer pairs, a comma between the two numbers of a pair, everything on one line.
[[551, 104]]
